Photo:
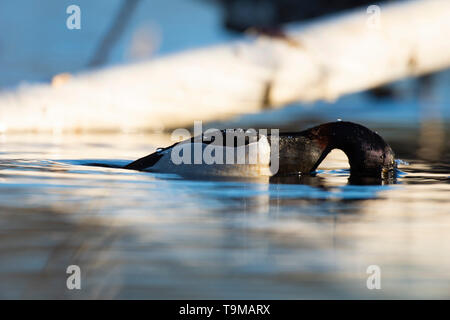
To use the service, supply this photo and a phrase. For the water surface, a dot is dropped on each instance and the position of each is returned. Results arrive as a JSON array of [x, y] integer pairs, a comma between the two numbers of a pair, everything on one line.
[[145, 235]]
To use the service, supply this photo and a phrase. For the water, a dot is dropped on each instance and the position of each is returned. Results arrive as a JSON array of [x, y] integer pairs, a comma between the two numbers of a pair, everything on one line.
[[144, 235]]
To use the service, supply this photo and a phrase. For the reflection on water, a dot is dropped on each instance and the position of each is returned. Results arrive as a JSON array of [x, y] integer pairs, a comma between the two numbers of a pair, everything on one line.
[[144, 235]]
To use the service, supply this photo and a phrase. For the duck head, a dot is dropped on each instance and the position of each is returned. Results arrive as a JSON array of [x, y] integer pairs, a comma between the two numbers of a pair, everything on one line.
[[368, 154]]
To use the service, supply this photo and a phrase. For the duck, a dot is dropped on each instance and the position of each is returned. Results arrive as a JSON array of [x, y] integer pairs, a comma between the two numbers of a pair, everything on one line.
[[278, 154]]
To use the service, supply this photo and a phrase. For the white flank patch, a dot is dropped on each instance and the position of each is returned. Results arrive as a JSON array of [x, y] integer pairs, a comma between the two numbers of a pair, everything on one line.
[[258, 168]]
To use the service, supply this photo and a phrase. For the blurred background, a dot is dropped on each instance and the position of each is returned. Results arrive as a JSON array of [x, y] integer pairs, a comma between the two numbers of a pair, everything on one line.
[[37, 48], [142, 235]]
